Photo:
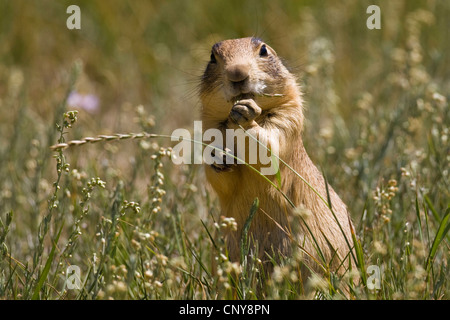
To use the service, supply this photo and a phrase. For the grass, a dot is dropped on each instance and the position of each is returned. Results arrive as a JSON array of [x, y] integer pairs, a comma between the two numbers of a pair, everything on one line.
[[140, 227]]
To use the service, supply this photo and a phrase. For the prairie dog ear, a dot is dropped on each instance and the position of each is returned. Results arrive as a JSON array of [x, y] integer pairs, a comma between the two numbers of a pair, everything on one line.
[[272, 50]]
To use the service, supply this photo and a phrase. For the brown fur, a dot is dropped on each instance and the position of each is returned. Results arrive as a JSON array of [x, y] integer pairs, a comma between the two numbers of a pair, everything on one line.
[[237, 185]]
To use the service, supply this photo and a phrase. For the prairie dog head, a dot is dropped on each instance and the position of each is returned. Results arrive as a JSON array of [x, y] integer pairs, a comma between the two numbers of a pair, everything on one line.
[[245, 68]]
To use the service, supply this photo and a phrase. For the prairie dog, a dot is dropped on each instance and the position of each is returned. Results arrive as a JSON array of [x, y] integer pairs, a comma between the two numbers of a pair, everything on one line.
[[246, 84]]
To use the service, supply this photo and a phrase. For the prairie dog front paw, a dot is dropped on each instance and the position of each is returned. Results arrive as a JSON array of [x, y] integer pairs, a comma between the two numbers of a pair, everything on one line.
[[244, 112]]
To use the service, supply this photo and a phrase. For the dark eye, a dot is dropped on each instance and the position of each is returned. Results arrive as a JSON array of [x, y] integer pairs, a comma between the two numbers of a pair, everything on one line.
[[263, 51], [213, 58]]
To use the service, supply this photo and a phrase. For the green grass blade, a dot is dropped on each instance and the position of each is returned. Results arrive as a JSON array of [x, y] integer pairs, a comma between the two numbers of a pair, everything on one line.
[[209, 235], [334, 215], [431, 207], [359, 256], [440, 235], [46, 270], [245, 229], [277, 164], [419, 221]]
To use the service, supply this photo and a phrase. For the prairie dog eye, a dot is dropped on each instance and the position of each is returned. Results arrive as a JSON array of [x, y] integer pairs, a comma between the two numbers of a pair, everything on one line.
[[213, 58], [263, 51]]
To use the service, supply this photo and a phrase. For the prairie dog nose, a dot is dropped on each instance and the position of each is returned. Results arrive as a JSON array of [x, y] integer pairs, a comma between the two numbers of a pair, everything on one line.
[[237, 72]]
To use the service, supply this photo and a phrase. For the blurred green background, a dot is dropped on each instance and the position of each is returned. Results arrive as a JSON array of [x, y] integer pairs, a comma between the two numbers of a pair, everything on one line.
[[152, 52]]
